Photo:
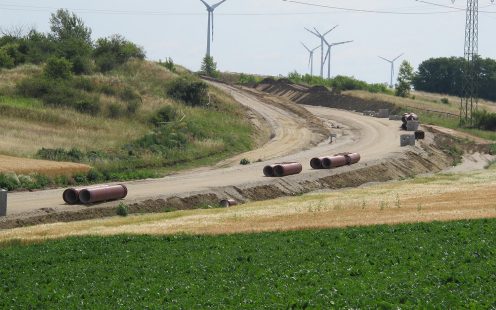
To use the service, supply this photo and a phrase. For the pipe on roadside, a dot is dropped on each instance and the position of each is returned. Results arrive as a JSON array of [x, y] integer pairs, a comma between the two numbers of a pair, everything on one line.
[[316, 163], [103, 193], [352, 158], [225, 203], [336, 161], [269, 171], [71, 195], [285, 169]]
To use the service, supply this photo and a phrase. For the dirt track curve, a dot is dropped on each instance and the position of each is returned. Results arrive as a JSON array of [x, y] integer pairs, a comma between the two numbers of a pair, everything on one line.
[[373, 138]]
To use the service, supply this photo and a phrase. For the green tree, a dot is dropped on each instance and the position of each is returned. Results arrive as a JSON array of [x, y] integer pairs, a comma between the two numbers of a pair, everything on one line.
[[209, 66], [405, 78], [66, 25], [114, 51]]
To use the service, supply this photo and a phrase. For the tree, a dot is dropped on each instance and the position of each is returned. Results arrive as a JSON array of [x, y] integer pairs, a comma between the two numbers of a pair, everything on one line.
[[65, 25], [209, 66], [115, 50], [405, 78]]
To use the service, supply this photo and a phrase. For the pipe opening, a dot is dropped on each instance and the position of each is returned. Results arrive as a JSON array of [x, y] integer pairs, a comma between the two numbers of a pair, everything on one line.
[[85, 196], [316, 163], [268, 171], [70, 196], [279, 171], [326, 163]]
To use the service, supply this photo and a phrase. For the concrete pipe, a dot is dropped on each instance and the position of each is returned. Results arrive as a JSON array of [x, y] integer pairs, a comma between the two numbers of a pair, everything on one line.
[[334, 161], [285, 169], [71, 195], [104, 193], [352, 158], [225, 203], [316, 163], [269, 171]]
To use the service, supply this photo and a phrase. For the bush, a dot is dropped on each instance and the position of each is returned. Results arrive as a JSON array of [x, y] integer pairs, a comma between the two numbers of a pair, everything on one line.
[[164, 115], [5, 60], [8, 182], [484, 120], [169, 64], [244, 162], [122, 209], [445, 100], [192, 92], [114, 51], [58, 68]]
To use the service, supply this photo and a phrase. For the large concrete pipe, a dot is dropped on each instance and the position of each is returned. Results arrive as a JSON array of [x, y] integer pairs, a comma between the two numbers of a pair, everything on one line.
[[352, 158], [316, 163], [225, 203], [269, 171], [71, 195], [285, 169], [334, 161], [104, 193]]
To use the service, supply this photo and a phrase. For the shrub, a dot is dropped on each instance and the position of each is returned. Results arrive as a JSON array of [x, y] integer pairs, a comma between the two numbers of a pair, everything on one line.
[[5, 60], [164, 115], [192, 92], [58, 68], [244, 162], [169, 64], [8, 182], [122, 209], [114, 51], [445, 100]]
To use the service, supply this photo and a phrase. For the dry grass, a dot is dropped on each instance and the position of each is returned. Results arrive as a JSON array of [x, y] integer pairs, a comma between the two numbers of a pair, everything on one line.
[[438, 198], [422, 101], [49, 168]]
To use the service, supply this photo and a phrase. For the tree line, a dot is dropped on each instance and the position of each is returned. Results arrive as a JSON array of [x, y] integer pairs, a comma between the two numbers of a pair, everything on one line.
[[445, 75], [69, 38]]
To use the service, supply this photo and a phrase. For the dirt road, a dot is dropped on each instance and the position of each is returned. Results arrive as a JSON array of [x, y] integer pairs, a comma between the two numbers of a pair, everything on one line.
[[371, 137]]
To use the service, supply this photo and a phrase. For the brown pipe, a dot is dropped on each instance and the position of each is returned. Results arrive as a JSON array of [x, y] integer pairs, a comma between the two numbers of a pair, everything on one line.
[[334, 161], [269, 171], [228, 203], [71, 195], [103, 193], [316, 163], [285, 169], [352, 158]]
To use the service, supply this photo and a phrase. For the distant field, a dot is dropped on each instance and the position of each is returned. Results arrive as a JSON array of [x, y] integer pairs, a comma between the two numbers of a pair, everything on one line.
[[438, 265], [26, 166]]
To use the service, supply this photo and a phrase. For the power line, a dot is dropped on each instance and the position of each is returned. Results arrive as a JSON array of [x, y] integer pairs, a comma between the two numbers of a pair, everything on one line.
[[370, 11]]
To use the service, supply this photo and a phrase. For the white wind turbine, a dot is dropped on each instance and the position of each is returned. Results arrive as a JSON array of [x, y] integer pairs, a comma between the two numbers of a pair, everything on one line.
[[322, 38], [310, 59], [328, 55], [210, 31], [392, 67]]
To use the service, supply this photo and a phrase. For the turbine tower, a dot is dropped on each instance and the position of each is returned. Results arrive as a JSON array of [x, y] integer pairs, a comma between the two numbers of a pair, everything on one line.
[[322, 38], [210, 31], [328, 55], [310, 59], [392, 67]]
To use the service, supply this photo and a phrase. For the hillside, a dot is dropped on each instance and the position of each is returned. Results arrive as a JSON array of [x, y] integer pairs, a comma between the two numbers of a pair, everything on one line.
[[139, 120]]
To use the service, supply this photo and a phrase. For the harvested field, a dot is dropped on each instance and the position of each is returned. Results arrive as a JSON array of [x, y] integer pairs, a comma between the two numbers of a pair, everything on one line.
[[50, 168], [445, 197]]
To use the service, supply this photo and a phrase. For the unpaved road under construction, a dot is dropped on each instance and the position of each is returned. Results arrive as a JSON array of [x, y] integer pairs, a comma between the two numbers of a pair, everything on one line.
[[373, 138]]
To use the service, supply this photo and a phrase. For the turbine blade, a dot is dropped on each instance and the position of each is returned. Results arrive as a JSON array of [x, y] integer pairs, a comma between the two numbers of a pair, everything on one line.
[[328, 54], [312, 32], [384, 59], [207, 5], [340, 43], [315, 48], [217, 4], [330, 30], [306, 47], [317, 31], [325, 41], [398, 57]]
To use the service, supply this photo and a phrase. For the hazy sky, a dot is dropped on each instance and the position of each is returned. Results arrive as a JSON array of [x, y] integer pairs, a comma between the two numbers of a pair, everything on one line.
[[263, 36]]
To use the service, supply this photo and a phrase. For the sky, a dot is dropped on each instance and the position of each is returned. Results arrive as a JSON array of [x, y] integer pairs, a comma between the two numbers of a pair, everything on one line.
[[263, 36]]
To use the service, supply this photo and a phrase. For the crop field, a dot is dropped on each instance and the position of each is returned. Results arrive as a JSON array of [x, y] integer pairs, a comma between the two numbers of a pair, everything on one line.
[[437, 265]]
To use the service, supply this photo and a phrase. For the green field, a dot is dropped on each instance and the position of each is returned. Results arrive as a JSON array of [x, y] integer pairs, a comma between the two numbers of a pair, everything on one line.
[[438, 265]]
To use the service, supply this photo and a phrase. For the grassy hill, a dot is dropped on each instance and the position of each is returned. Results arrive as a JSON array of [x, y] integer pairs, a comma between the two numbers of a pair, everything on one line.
[[137, 120]]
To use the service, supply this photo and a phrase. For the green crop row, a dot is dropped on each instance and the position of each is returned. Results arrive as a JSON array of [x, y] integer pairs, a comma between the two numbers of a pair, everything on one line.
[[436, 265]]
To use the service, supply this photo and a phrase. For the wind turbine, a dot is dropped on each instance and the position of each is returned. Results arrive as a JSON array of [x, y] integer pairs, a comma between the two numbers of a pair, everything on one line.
[[328, 55], [310, 59], [392, 67], [322, 38], [210, 10]]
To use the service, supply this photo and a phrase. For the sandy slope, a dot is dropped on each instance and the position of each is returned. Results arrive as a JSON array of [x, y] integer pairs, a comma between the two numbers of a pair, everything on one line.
[[371, 137]]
